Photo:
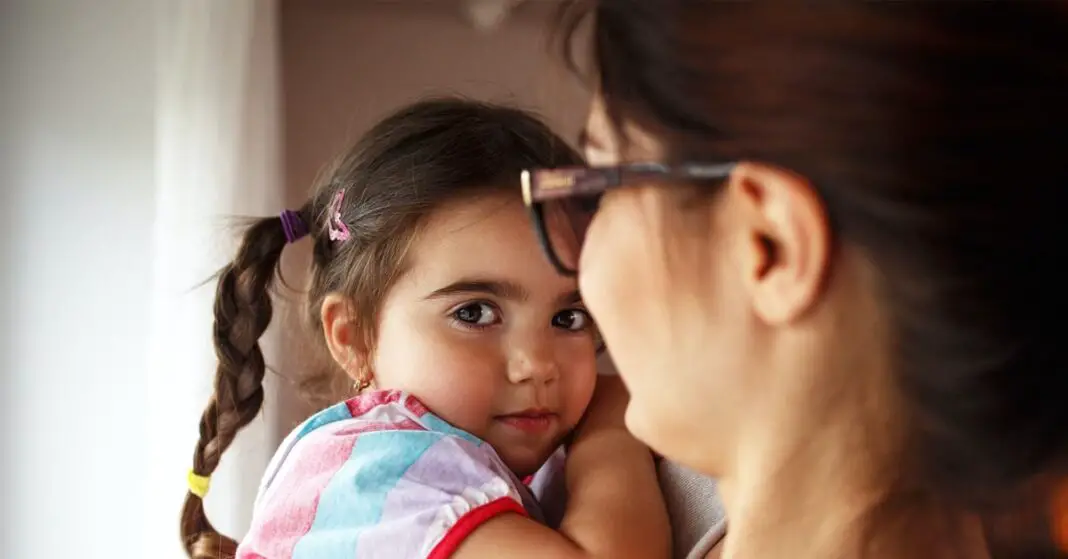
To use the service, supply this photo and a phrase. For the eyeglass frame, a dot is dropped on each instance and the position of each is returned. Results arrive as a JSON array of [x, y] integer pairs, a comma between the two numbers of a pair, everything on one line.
[[544, 185]]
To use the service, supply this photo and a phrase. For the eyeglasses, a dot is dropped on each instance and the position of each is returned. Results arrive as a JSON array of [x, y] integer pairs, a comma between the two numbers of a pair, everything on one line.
[[562, 201]]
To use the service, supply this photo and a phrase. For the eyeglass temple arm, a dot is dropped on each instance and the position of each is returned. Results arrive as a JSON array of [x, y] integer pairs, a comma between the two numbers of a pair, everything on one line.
[[699, 171]]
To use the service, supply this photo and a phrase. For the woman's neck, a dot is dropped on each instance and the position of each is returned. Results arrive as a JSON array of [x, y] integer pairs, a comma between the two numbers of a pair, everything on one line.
[[824, 497], [814, 470]]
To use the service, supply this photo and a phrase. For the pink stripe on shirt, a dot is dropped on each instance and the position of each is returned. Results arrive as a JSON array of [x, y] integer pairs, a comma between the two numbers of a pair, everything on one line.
[[368, 401], [415, 406], [291, 510]]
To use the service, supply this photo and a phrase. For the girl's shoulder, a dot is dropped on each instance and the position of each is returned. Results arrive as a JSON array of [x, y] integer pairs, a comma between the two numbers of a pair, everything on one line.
[[378, 411], [389, 425], [378, 470]]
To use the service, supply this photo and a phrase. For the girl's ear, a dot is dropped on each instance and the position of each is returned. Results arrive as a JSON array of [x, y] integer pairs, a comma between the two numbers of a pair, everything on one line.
[[344, 338]]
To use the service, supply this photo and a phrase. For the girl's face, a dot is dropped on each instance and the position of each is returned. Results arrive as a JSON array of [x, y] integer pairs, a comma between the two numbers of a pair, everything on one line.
[[483, 331]]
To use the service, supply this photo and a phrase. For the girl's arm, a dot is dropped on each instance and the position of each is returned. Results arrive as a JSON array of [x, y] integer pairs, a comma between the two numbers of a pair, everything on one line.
[[614, 507]]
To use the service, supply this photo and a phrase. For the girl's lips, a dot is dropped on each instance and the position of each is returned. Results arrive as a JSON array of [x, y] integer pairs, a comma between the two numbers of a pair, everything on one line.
[[533, 422]]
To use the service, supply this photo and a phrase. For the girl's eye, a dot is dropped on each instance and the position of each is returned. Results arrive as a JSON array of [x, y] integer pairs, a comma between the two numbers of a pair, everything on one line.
[[573, 319], [477, 314]]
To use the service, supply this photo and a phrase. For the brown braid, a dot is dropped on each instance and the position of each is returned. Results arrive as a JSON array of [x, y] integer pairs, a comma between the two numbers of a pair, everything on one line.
[[242, 313]]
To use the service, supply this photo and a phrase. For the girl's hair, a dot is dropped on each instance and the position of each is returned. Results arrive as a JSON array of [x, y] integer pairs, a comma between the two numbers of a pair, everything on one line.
[[936, 135], [402, 170]]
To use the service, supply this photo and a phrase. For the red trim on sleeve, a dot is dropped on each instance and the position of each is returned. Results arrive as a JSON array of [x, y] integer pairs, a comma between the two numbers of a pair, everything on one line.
[[468, 522]]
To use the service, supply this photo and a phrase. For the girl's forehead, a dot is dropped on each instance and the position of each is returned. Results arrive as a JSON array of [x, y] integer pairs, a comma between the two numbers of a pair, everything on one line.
[[485, 237]]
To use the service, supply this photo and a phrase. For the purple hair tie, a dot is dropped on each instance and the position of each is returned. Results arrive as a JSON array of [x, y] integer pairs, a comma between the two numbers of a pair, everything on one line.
[[293, 225]]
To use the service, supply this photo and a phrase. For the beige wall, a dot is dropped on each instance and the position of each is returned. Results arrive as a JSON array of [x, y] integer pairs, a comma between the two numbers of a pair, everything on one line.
[[348, 63]]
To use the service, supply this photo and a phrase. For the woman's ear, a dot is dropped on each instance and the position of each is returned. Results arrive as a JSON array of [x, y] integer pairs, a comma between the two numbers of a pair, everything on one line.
[[344, 337], [787, 240]]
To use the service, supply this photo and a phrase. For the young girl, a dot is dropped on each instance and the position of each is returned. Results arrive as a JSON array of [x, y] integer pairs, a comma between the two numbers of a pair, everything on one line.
[[471, 362]]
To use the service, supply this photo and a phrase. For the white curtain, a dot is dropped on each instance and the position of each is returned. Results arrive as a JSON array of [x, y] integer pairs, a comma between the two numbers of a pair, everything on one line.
[[218, 155], [132, 130]]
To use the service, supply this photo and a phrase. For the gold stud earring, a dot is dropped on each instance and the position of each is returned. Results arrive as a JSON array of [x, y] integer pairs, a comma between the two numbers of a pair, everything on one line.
[[364, 380]]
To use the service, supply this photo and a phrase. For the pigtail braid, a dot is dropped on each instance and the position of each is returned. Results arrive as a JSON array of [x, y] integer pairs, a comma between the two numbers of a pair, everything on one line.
[[242, 312]]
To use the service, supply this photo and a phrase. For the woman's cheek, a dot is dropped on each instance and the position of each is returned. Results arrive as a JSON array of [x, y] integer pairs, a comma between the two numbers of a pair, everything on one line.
[[603, 278], [581, 382], [590, 277]]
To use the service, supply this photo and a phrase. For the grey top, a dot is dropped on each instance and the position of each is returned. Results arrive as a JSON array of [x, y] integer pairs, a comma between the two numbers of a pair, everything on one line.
[[698, 519]]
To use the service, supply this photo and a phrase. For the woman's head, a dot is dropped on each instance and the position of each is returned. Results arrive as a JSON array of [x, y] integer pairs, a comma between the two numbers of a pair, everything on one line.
[[423, 279], [880, 262]]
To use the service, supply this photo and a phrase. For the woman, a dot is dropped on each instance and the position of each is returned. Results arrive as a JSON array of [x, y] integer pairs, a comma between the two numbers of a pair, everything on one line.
[[835, 288]]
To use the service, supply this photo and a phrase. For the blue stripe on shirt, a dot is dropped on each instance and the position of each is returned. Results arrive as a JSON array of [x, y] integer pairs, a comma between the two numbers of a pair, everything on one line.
[[354, 498]]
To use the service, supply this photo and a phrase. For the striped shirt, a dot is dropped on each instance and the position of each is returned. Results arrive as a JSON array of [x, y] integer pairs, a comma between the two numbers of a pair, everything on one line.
[[380, 476]]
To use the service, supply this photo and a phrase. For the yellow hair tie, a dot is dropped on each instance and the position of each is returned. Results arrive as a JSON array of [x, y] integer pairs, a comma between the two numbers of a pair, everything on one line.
[[198, 485]]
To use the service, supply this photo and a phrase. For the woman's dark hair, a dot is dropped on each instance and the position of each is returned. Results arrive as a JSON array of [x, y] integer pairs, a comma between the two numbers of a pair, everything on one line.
[[404, 168], [936, 134]]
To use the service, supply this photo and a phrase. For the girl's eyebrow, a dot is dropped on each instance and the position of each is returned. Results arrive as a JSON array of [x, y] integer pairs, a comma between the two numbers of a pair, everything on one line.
[[570, 298], [498, 288]]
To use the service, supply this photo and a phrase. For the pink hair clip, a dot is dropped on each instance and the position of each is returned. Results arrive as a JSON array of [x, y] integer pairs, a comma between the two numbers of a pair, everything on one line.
[[338, 230]]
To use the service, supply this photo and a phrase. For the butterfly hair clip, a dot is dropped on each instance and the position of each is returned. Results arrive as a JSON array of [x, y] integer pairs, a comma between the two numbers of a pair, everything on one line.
[[339, 232]]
